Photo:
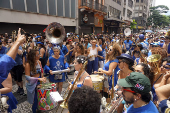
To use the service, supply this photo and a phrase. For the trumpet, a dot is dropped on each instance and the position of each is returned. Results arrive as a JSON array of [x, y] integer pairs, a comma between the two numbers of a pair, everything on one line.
[[14, 34]]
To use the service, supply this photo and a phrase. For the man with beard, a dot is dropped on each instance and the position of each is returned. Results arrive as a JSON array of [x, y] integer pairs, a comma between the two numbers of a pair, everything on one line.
[[135, 90]]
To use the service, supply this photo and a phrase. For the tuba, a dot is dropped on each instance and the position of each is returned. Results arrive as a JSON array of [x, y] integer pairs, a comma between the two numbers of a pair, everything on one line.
[[154, 62], [55, 33]]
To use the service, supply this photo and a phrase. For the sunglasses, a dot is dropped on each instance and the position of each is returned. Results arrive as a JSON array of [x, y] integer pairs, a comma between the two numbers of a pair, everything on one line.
[[9, 42], [128, 90]]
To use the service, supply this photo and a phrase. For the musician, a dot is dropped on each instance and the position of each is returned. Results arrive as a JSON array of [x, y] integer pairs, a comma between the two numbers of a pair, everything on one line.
[[93, 59], [85, 79], [111, 64], [34, 74], [56, 63], [84, 100], [135, 91]]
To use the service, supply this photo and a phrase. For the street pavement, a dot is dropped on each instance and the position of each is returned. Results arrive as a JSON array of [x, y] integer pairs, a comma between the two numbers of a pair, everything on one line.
[[24, 107]]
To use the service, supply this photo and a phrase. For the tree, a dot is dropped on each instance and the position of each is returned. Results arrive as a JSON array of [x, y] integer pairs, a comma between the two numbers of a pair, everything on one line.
[[156, 18], [133, 24]]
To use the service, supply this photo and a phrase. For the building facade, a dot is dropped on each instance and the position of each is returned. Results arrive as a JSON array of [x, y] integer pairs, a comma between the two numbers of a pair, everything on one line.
[[34, 15], [91, 16], [141, 12], [119, 15]]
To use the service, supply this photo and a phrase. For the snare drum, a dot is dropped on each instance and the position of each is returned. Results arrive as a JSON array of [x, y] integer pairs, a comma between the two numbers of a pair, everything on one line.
[[97, 82], [43, 93]]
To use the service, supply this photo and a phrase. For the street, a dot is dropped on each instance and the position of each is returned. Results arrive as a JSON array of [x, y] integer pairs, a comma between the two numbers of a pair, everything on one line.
[[23, 106]]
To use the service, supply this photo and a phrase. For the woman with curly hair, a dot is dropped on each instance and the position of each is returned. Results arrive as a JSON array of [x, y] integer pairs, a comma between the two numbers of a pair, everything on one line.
[[79, 50], [111, 63], [34, 74]]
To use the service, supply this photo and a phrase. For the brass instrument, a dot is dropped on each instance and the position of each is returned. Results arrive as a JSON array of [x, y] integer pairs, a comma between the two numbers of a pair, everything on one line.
[[154, 59], [55, 33], [14, 34], [111, 108], [65, 102]]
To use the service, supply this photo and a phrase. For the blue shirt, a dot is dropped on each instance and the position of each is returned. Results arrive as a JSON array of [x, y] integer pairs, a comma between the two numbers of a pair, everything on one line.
[[128, 44], [6, 63], [18, 58], [88, 45], [106, 67], [51, 52], [3, 50], [100, 53], [144, 45], [149, 108], [64, 49]]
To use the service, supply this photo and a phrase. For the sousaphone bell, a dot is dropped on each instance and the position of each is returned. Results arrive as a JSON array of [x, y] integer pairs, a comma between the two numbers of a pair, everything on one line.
[[55, 33]]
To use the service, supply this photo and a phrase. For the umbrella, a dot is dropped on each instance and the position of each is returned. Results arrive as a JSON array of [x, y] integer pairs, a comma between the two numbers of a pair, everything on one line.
[[150, 31]]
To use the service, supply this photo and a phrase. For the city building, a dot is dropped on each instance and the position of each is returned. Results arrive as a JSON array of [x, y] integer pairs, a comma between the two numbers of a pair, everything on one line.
[[34, 15], [91, 16], [119, 15], [141, 13]]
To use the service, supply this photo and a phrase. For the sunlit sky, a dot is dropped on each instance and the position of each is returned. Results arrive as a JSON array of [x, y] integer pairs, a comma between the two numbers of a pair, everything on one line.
[[163, 2]]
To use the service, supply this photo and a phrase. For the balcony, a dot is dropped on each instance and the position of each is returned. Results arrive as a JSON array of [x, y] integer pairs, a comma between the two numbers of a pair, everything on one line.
[[93, 5]]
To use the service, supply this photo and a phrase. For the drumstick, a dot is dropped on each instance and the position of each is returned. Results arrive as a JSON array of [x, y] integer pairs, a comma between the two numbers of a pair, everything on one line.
[[99, 73]]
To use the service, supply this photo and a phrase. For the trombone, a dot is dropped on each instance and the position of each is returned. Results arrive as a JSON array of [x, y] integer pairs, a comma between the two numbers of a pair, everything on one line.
[[64, 104]]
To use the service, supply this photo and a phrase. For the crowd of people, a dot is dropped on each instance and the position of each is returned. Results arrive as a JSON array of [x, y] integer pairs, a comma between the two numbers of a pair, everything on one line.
[[136, 67]]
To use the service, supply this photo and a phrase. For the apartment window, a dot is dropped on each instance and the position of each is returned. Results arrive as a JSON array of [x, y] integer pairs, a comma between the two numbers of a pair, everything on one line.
[[137, 7], [137, 1], [141, 1], [124, 11], [141, 7], [136, 15], [18, 5]]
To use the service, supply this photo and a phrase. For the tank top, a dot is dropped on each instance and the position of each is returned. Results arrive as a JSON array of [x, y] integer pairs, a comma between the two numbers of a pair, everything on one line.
[[93, 53], [38, 69]]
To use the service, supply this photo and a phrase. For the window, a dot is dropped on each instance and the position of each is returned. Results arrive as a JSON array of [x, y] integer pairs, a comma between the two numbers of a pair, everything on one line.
[[137, 7], [123, 11], [136, 15], [137, 1], [141, 8], [141, 1]]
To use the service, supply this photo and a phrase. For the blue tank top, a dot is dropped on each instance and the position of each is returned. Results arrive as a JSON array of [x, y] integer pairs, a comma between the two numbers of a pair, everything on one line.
[[168, 49], [106, 67]]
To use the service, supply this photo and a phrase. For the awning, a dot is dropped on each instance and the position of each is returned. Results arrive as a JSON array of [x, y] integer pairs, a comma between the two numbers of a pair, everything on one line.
[[140, 27], [116, 20]]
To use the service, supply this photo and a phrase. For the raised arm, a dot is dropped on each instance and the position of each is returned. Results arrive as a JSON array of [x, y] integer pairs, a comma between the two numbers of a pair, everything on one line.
[[13, 51]]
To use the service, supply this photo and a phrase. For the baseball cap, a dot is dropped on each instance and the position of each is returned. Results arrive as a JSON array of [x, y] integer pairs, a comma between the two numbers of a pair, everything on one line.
[[138, 81], [141, 36]]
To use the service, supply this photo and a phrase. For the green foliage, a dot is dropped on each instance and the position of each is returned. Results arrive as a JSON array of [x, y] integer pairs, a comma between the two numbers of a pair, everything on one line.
[[133, 24], [156, 18]]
